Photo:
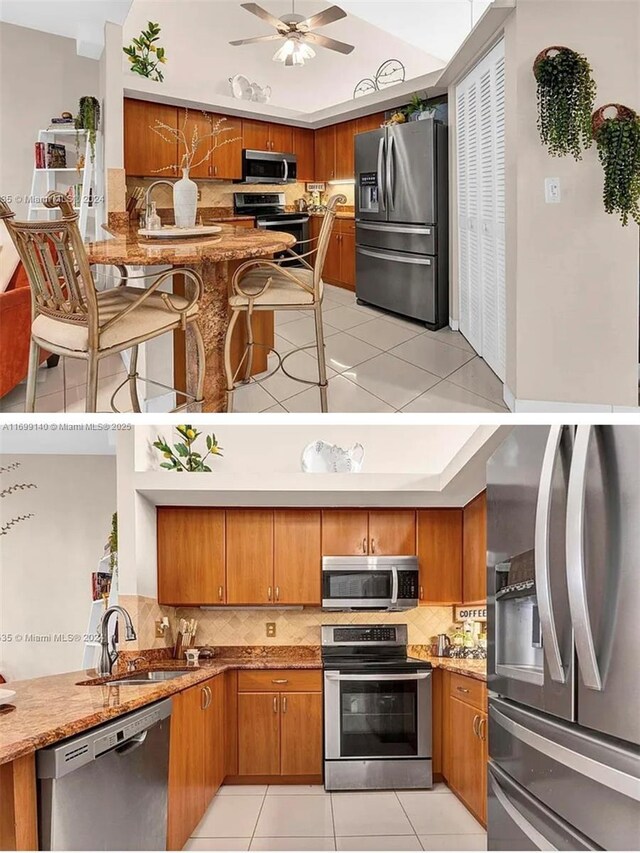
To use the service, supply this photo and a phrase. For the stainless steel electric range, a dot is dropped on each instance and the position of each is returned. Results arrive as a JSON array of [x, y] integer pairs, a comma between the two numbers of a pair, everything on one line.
[[377, 710]]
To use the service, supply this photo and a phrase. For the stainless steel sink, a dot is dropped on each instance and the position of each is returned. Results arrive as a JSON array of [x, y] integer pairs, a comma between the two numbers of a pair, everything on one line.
[[152, 676]]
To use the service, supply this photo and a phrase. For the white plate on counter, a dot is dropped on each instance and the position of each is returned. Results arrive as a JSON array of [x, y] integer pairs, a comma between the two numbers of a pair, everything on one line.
[[5, 695], [171, 231]]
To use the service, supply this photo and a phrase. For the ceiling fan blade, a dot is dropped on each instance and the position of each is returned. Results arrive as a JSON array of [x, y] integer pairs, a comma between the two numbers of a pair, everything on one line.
[[266, 16], [328, 16], [256, 40], [331, 44]]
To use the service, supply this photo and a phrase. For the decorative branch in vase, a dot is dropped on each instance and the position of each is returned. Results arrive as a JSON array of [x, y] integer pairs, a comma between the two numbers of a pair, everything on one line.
[[185, 191]]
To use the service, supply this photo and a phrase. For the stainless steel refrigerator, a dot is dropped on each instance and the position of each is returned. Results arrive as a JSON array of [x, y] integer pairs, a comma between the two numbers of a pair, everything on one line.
[[402, 254], [563, 597]]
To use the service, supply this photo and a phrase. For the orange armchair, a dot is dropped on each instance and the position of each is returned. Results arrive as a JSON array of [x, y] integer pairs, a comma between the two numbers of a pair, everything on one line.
[[15, 332]]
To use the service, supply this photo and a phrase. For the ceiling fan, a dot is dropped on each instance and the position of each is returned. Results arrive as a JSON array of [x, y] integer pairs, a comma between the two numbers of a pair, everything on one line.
[[297, 32]]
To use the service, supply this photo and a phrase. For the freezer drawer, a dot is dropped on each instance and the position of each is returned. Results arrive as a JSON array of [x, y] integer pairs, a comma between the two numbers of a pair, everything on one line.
[[404, 283], [416, 239], [517, 821], [590, 782]]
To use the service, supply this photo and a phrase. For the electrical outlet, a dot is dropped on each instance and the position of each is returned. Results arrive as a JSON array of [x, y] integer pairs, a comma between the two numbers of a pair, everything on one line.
[[271, 629], [199, 194], [552, 194], [162, 625]]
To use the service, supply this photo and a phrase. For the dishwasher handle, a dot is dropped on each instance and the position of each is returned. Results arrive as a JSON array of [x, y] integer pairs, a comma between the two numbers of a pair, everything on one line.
[[132, 744]]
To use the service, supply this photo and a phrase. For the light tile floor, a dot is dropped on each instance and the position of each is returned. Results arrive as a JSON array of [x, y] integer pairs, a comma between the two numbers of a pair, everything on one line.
[[306, 817], [376, 362]]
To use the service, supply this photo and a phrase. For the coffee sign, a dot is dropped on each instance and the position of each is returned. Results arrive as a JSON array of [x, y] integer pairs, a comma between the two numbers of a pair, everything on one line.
[[470, 614]]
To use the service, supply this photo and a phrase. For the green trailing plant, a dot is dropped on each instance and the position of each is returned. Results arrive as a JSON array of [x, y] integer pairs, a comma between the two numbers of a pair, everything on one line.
[[183, 457], [145, 55], [618, 142], [88, 119], [113, 542], [566, 98]]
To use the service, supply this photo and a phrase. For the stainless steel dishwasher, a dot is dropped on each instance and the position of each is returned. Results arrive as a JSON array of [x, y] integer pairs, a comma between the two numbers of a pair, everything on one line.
[[107, 788]]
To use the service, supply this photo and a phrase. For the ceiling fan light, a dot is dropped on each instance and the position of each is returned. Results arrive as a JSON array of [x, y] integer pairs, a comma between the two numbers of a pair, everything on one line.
[[306, 52], [285, 51], [297, 57]]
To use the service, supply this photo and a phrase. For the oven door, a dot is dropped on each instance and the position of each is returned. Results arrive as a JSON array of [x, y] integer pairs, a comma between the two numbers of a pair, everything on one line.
[[377, 716], [297, 227]]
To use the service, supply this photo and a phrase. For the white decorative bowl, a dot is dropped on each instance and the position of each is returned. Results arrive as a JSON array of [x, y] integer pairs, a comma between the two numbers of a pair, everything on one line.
[[5, 695]]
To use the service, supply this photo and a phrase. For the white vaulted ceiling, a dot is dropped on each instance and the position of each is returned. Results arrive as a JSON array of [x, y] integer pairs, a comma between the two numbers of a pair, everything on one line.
[[196, 33]]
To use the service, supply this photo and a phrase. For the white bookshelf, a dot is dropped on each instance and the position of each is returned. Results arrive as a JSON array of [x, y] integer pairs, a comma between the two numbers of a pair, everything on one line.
[[91, 177]]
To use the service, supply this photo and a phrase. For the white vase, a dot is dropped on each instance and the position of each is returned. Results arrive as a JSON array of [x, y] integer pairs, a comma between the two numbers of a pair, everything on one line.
[[185, 201]]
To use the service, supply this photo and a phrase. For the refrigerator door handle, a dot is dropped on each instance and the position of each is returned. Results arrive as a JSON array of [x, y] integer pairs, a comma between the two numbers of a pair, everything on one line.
[[391, 174], [541, 563], [536, 837], [576, 578], [382, 169], [398, 257]]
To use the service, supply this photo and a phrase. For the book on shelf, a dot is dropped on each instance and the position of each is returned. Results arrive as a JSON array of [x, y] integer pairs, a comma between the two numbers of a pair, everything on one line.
[[56, 156], [40, 157]]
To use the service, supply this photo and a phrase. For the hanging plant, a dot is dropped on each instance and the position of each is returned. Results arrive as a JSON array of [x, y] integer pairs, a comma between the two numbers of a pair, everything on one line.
[[566, 98], [88, 119], [144, 54], [618, 141]]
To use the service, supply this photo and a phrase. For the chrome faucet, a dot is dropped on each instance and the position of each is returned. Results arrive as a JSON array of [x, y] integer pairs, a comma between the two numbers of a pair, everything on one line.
[[147, 197], [108, 656]]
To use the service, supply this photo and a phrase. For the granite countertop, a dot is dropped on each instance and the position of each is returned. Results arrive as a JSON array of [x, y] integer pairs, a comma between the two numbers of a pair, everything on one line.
[[232, 243], [470, 667], [56, 707]]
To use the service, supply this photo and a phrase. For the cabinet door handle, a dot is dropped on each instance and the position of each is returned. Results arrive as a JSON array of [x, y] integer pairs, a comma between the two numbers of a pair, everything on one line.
[[203, 698], [482, 728], [421, 592], [277, 593], [220, 593], [373, 546], [279, 680], [215, 170], [462, 689], [476, 721], [210, 695], [284, 704], [275, 704], [269, 592], [364, 545], [209, 171]]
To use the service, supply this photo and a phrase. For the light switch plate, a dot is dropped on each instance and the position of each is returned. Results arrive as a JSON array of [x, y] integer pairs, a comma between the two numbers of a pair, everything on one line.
[[271, 629], [552, 192]]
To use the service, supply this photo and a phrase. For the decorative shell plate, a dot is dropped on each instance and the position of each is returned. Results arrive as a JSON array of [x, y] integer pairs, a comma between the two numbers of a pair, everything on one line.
[[5, 695], [320, 457], [171, 231]]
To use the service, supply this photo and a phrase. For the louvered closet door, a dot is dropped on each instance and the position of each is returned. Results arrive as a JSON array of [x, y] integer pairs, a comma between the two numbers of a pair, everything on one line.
[[480, 150]]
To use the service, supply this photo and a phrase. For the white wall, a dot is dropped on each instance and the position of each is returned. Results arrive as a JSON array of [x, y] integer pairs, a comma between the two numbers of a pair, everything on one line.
[[41, 76], [572, 270], [46, 561]]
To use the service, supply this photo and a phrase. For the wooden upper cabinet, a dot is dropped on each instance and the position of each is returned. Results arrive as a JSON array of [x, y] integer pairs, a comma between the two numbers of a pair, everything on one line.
[[259, 734], [200, 122], [186, 794], [297, 556], [440, 555], [301, 734], [281, 138], [226, 160], [145, 153], [325, 150], [345, 150], [250, 556], [475, 551], [191, 555], [345, 532], [366, 123], [392, 532], [304, 149], [255, 134]]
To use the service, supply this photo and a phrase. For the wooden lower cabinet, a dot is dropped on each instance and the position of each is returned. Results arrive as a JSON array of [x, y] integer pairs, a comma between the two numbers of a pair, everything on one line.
[[18, 804], [196, 757], [279, 731], [340, 262], [464, 741]]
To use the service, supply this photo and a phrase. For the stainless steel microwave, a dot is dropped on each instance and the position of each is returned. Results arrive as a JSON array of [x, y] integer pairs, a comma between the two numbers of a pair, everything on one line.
[[268, 167], [369, 583]]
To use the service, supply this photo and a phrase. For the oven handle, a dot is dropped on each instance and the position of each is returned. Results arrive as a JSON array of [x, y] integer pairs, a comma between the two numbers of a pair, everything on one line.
[[266, 222], [418, 676]]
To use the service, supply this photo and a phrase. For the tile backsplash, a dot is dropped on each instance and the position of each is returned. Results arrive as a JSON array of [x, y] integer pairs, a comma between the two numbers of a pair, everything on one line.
[[215, 193]]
